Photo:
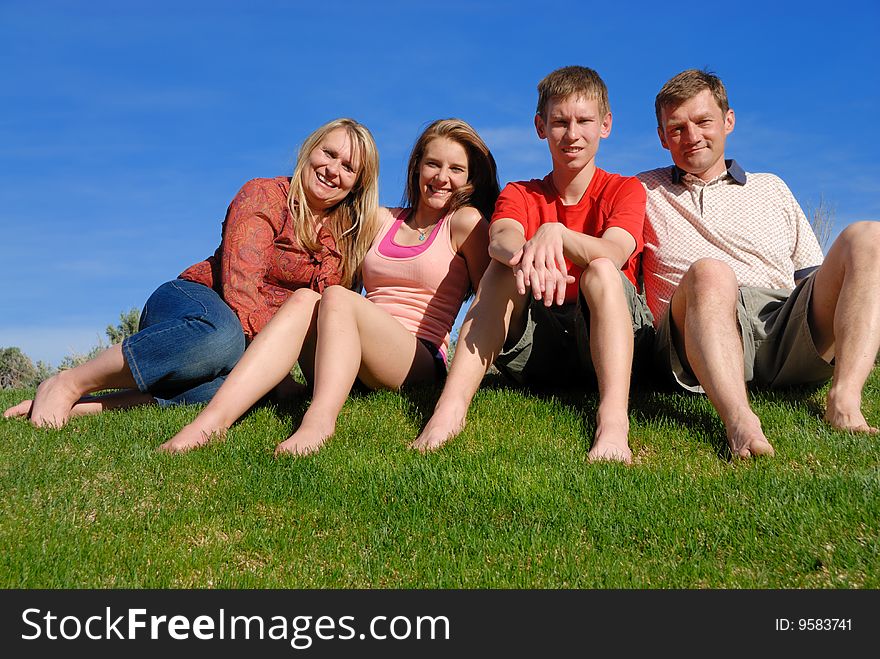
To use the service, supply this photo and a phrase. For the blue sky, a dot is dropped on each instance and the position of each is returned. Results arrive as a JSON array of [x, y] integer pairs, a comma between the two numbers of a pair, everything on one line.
[[126, 128]]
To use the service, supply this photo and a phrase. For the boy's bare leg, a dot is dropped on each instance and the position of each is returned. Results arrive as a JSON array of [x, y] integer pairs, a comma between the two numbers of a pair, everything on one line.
[[265, 363], [704, 315], [498, 312], [356, 338], [57, 395], [845, 321], [611, 349]]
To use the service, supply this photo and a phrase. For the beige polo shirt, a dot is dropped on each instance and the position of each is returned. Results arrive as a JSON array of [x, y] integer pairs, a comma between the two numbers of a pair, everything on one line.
[[750, 221]]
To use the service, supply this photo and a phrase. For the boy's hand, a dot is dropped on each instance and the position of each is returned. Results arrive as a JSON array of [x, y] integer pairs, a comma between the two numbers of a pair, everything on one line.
[[542, 266]]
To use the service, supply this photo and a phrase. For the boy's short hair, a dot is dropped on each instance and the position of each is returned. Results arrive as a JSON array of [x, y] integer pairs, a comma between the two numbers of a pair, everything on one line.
[[688, 84], [573, 81]]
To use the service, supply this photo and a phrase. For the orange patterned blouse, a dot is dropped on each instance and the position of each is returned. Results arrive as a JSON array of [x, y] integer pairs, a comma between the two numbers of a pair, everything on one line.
[[260, 262]]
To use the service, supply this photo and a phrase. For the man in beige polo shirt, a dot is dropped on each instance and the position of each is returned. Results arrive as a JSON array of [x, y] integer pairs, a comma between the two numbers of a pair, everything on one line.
[[737, 282]]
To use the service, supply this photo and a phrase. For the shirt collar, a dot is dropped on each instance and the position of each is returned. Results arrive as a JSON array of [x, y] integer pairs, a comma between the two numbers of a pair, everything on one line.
[[733, 169]]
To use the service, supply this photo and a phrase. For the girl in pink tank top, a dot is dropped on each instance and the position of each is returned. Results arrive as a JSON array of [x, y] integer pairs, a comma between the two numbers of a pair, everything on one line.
[[424, 260]]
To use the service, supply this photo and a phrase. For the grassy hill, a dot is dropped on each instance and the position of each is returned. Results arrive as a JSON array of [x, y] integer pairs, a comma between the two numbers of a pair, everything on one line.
[[511, 503]]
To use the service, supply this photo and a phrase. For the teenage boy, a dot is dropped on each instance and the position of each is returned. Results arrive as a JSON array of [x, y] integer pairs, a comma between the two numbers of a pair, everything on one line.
[[735, 277], [558, 303]]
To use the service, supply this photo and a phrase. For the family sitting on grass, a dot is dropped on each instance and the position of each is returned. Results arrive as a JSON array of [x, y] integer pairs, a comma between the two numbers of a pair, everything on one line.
[[700, 272]]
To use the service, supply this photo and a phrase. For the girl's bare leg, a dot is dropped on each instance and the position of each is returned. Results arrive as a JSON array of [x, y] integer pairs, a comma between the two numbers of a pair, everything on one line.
[[356, 338], [265, 363]]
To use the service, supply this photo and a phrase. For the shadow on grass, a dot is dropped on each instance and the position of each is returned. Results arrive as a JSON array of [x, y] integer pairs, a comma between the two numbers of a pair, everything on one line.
[[651, 403], [807, 397]]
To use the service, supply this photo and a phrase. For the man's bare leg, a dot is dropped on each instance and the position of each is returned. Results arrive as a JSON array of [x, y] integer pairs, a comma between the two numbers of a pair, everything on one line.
[[611, 349], [845, 321], [704, 315], [498, 312]]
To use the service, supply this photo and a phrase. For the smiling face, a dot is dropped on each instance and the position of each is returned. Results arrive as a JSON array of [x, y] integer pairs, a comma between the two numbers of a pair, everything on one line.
[[443, 169], [331, 171], [694, 132], [573, 127]]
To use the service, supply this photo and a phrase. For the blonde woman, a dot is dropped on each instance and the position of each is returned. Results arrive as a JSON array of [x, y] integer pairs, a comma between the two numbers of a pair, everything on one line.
[[423, 262], [310, 231]]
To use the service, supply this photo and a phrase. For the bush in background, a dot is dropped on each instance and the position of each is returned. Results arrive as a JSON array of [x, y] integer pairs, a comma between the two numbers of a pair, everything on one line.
[[17, 370]]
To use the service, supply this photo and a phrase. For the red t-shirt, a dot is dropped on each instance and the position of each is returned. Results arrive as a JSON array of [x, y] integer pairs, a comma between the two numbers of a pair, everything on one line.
[[260, 262], [611, 200]]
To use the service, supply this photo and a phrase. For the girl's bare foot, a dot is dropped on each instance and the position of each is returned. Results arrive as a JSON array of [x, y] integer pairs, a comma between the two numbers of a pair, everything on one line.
[[192, 436], [306, 440], [440, 429]]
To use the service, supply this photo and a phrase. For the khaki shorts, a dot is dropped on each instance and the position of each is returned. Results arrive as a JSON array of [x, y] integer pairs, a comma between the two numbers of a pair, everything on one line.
[[778, 349], [555, 346]]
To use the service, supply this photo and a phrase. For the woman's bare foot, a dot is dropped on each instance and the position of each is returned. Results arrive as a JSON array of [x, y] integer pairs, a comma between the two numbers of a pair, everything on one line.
[[23, 409], [88, 405], [306, 440], [611, 442], [54, 401]]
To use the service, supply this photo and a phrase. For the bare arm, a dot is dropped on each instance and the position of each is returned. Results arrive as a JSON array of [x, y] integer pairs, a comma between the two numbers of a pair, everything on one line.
[[543, 261], [470, 238], [506, 240], [615, 244]]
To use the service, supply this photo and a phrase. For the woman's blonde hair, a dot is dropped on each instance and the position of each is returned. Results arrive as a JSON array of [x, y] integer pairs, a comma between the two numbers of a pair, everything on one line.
[[482, 187], [354, 221]]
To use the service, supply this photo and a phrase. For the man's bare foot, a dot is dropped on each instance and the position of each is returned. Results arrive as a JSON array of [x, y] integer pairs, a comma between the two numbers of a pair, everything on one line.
[[23, 409], [440, 429], [611, 441], [306, 440], [54, 401], [847, 415], [746, 438], [193, 435], [850, 422]]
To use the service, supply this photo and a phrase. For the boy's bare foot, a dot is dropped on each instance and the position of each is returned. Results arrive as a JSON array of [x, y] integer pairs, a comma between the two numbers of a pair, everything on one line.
[[746, 438], [23, 409], [842, 414], [193, 435], [440, 429], [306, 440], [54, 401], [611, 441]]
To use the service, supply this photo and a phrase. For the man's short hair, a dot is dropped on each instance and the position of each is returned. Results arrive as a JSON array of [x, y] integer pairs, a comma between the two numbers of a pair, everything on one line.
[[573, 81], [688, 84]]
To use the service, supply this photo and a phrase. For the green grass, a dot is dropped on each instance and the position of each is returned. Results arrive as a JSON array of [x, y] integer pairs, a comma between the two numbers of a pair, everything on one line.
[[511, 503]]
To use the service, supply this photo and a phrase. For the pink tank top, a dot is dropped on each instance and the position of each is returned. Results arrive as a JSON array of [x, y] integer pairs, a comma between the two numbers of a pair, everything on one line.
[[422, 286]]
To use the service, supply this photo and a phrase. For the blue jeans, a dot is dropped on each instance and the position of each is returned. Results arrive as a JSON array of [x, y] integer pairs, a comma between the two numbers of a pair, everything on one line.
[[187, 342]]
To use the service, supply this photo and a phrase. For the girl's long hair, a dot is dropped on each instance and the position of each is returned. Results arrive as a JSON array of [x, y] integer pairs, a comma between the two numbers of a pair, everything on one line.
[[354, 221], [482, 188]]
